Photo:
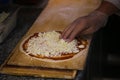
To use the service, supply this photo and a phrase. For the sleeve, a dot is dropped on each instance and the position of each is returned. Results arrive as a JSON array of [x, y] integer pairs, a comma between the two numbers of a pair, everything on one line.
[[115, 2]]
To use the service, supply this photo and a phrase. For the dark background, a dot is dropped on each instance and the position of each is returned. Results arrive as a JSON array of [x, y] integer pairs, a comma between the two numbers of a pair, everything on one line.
[[103, 62]]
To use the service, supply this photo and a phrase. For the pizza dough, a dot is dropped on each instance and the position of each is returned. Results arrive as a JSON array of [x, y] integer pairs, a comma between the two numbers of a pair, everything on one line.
[[48, 45]]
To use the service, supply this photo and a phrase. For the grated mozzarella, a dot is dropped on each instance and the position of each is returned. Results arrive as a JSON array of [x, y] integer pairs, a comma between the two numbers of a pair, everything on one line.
[[49, 44]]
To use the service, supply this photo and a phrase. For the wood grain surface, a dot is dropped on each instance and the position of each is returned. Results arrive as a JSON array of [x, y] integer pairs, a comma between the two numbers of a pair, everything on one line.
[[56, 16]]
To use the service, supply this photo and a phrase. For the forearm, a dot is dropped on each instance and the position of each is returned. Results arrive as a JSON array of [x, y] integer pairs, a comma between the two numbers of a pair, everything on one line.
[[108, 8]]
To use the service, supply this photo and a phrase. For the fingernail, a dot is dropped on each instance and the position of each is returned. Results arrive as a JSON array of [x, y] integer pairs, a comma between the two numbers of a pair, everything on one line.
[[67, 40]]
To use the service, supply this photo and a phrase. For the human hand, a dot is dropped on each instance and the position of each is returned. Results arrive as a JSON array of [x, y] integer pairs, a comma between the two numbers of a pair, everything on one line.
[[85, 25]]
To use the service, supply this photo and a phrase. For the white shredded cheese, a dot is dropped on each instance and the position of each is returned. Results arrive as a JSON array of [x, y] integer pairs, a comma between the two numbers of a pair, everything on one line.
[[49, 44], [81, 46]]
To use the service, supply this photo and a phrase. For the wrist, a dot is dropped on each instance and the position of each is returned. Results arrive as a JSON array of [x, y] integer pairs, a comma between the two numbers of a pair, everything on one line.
[[100, 17], [107, 8]]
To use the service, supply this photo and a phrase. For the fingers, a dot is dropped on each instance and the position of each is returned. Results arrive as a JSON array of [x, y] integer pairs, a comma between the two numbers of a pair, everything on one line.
[[67, 32], [73, 30], [77, 30]]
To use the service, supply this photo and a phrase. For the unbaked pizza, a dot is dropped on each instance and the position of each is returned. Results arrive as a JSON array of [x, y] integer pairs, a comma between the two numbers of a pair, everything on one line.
[[48, 45]]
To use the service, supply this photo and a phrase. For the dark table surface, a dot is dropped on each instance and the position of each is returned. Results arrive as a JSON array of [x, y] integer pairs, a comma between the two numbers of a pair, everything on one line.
[[26, 17], [103, 61]]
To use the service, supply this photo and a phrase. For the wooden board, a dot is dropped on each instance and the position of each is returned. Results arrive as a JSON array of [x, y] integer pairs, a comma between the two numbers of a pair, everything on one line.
[[56, 16], [36, 71], [44, 73]]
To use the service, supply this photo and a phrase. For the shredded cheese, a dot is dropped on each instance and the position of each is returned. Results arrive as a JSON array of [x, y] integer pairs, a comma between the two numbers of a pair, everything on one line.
[[49, 44]]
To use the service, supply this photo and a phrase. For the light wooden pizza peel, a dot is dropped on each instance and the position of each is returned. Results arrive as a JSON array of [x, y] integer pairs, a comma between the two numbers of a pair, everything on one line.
[[56, 16]]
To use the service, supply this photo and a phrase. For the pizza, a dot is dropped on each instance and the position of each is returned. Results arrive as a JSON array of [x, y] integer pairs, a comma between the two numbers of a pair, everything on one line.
[[48, 45]]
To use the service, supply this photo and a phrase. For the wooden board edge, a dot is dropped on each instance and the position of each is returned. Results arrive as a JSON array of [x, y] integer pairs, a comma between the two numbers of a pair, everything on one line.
[[11, 53], [5, 62], [12, 71], [41, 73]]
